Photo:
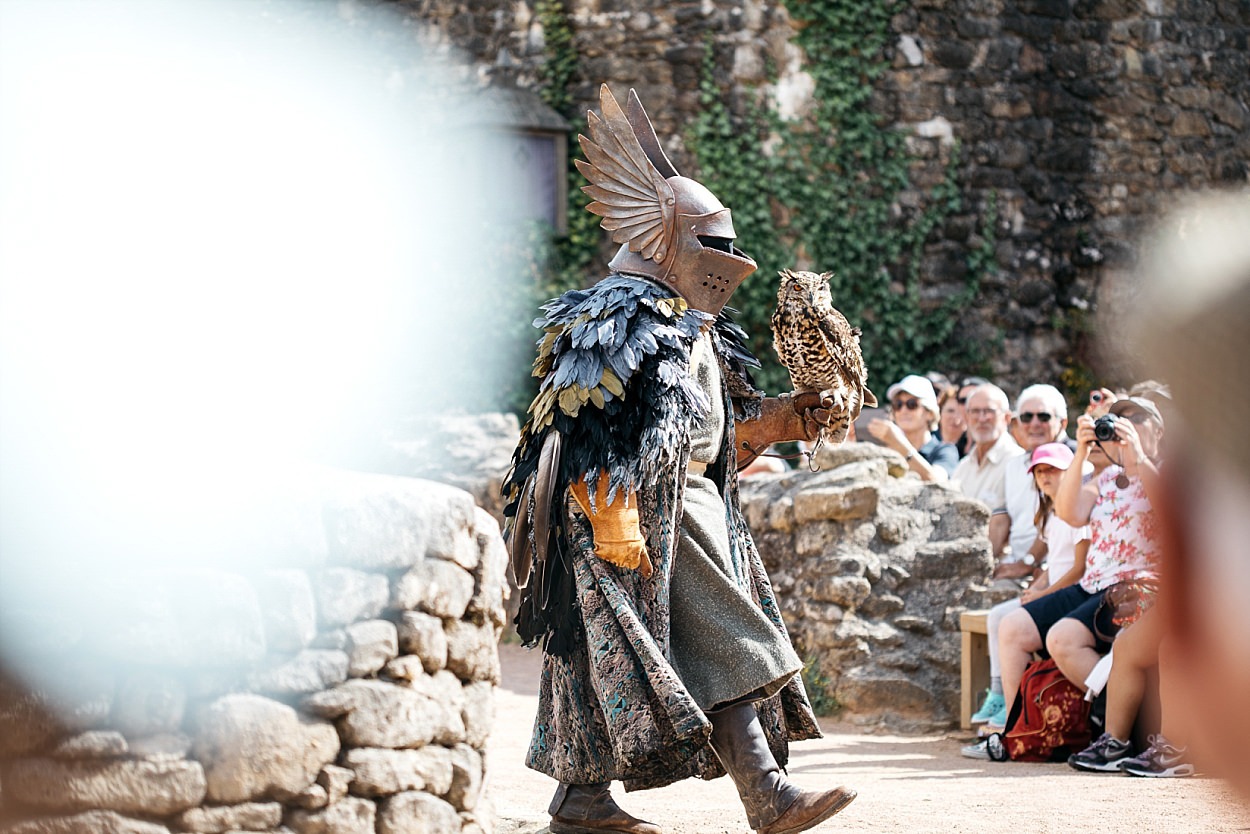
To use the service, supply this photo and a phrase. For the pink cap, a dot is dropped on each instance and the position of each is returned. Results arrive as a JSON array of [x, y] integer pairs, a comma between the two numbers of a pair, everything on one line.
[[1051, 454]]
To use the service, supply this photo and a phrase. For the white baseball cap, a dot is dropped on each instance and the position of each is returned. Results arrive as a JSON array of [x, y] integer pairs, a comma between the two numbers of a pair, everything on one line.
[[918, 387]]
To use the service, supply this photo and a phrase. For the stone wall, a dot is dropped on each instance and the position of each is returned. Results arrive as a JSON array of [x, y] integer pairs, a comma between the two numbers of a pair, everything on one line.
[[347, 686], [873, 568], [1078, 117]]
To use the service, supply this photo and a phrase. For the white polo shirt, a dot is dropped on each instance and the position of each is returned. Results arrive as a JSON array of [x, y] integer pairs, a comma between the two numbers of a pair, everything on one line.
[[984, 480], [1021, 495]]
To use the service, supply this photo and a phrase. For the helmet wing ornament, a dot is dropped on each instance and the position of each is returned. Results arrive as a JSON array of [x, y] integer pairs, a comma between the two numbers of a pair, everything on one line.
[[630, 194]]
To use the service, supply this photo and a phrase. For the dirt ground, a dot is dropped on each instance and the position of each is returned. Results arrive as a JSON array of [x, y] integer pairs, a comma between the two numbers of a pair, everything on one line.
[[905, 784]]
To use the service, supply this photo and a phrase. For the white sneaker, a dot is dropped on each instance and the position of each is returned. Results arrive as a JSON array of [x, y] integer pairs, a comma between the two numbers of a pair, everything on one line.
[[980, 750]]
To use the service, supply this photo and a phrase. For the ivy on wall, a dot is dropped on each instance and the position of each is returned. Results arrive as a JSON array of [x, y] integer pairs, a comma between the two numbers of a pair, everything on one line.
[[826, 195], [835, 179]]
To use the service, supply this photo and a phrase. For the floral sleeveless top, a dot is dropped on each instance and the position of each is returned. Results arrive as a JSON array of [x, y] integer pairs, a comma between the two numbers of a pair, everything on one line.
[[1124, 539]]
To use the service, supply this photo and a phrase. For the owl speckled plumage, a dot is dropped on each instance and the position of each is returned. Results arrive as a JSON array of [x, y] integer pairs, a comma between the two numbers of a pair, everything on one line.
[[820, 348]]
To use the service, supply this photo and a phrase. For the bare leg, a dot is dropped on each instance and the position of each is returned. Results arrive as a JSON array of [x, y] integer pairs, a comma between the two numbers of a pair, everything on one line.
[[1018, 638], [1136, 652], [1071, 644]]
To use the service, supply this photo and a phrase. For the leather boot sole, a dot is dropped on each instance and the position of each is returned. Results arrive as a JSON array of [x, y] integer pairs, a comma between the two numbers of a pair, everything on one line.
[[808, 812], [608, 826]]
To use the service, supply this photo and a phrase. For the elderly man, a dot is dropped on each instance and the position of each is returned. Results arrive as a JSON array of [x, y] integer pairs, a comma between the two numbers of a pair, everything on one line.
[[1042, 417], [980, 474]]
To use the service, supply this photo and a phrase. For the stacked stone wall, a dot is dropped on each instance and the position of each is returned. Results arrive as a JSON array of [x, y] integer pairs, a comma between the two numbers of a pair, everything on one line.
[[347, 686], [873, 568], [1079, 119]]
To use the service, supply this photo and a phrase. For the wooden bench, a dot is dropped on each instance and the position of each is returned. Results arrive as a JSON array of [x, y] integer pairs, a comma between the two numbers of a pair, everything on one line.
[[974, 664]]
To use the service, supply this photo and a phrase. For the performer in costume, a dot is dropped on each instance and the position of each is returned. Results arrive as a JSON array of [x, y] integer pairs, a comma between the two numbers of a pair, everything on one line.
[[665, 655]]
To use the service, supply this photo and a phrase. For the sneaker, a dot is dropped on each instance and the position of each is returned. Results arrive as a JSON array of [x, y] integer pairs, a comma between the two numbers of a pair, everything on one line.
[[980, 750], [1103, 756], [1161, 759], [993, 703]]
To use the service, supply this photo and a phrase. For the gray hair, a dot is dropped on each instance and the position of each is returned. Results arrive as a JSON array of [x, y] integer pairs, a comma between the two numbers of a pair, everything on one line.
[[997, 395], [1048, 394]]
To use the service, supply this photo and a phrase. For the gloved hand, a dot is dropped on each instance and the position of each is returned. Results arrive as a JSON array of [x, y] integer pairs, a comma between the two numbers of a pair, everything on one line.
[[618, 536], [799, 416]]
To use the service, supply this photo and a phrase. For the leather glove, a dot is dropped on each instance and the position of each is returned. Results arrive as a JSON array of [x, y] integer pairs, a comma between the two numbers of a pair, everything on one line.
[[798, 416], [618, 536]]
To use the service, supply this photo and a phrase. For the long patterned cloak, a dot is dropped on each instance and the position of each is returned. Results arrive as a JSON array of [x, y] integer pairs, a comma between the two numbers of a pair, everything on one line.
[[617, 386]]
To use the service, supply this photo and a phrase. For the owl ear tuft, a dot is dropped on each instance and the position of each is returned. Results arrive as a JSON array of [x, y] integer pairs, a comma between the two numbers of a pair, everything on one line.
[[826, 276]]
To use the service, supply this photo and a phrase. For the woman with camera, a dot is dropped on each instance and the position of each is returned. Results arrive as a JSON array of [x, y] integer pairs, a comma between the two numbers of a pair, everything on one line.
[[1072, 624]]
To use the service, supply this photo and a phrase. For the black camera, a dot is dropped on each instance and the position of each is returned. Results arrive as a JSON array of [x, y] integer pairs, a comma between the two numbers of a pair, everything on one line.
[[1104, 427]]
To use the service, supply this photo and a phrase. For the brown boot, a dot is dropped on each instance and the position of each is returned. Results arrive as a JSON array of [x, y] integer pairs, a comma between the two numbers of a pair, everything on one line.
[[589, 809], [774, 805]]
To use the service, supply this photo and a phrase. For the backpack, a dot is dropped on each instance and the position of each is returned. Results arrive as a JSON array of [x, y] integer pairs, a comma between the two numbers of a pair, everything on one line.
[[1049, 719]]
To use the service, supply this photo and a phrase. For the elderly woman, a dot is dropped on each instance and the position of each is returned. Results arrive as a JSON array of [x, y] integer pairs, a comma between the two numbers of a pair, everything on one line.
[[914, 413]]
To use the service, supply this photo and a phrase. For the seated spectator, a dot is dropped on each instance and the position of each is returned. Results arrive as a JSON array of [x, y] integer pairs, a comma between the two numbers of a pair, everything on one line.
[[1042, 417], [909, 431], [951, 426], [1063, 547], [966, 387], [1137, 649], [980, 474], [1117, 507]]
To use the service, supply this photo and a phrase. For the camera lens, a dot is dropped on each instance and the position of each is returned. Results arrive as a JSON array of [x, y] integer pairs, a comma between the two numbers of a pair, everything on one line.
[[1104, 427]]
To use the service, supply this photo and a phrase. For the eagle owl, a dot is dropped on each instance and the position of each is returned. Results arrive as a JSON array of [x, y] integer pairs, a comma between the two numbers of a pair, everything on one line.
[[819, 348]]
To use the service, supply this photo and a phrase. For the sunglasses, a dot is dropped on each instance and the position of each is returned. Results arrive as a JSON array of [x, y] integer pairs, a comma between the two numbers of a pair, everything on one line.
[[1042, 416], [910, 405]]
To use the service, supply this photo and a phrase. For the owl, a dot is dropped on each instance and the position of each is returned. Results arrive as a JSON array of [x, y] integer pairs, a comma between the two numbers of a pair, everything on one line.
[[819, 348]]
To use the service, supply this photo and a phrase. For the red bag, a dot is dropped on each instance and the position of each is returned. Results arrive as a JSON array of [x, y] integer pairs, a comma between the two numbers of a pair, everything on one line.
[[1049, 720]]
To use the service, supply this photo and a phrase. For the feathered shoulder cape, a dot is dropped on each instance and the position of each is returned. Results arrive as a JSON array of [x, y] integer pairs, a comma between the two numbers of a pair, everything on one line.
[[614, 365]]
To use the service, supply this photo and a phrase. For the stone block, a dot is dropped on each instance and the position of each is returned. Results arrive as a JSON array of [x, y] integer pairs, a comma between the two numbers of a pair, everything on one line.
[[288, 608], [91, 822], [371, 644], [422, 636], [154, 789], [379, 714], [968, 558], [478, 713], [214, 819], [309, 671], [417, 813], [834, 503], [489, 576], [867, 694], [442, 589], [345, 595], [380, 522], [387, 772], [254, 748], [473, 651], [350, 815], [846, 591], [467, 770], [93, 744], [161, 746]]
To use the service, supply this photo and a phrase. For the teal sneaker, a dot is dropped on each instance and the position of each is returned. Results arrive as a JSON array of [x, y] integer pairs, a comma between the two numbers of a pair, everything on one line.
[[994, 704], [998, 721]]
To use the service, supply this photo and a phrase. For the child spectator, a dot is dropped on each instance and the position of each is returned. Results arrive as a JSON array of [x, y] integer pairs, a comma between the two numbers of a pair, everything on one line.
[[1066, 547]]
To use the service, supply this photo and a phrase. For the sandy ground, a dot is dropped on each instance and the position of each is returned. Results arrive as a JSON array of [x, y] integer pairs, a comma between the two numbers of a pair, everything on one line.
[[905, 784]]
